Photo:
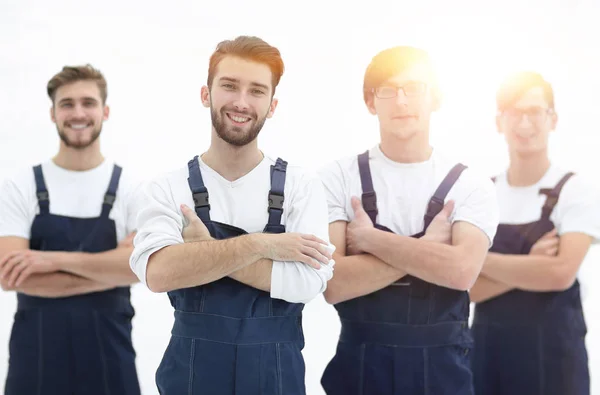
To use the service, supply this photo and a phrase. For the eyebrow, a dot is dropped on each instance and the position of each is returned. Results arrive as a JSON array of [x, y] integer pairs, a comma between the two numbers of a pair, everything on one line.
[[237, 81], [69, 99]]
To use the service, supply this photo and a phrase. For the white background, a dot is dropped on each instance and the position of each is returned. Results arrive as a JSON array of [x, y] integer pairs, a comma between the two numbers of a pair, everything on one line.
[[155, 58]]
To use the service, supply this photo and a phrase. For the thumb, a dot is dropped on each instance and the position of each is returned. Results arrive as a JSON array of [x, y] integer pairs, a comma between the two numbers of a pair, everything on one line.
[[448, 208], [356, 205], [189, 214], [551, 234]]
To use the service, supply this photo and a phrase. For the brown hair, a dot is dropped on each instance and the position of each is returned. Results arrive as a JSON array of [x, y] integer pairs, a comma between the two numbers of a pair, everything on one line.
[[71, 74], [517, 84], [392, 61], [249, 48]]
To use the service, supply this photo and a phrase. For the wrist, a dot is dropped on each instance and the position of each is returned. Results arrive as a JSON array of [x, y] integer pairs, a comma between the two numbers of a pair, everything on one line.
[[260, 245], [67, 261], [367, 239]]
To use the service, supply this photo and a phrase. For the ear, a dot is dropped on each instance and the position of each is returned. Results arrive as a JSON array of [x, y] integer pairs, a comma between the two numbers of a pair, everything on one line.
[[499, 123], [52, 117], [205, 96], [272, 107], [553, 120], [106, 112], [370, 102], [436, 100]]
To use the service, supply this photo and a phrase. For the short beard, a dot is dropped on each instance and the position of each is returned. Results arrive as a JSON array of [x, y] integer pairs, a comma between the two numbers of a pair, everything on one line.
[[234, 135]]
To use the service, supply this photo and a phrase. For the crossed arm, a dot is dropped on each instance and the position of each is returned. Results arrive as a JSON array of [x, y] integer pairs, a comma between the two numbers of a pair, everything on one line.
[[59, 274], [543, 269], [388, 257]]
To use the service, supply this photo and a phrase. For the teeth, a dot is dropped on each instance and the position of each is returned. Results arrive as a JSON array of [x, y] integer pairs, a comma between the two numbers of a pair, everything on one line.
[[239, 119], [79, 126]]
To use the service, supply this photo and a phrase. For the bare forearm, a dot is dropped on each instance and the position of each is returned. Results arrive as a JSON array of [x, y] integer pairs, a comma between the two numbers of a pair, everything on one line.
[[57, 285], [528, 272], [359, 275], [256, 275], [437, 263], [486, 289], [109, 267], [197, 263]]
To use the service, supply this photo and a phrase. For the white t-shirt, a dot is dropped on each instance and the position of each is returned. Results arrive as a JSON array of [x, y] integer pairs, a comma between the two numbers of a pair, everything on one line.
[[242, 203], [404, 190], [77, 194], [577, 209]]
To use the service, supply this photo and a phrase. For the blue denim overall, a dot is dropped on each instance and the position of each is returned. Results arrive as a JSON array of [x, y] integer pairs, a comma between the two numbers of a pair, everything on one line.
[[530, 343], [410, 338], [229, 338], [76, 345]]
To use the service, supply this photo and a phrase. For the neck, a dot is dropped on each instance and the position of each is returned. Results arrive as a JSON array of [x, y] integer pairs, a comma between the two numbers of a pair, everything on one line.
[[229, 161], [412, 150], [527, 170], [79, 159]]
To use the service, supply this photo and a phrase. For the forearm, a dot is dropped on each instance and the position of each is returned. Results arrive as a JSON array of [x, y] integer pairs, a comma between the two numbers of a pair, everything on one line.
[[109, 267], [529, 272], [437, 263], [256, 275], [196, 263], [485, 289], [57, 285], [359, 275]]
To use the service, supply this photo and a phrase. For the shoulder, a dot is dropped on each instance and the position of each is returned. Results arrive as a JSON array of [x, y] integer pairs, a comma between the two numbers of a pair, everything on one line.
[[470, 179]]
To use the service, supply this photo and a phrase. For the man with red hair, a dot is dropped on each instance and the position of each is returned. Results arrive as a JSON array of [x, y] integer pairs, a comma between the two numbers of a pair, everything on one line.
[[239, 267]]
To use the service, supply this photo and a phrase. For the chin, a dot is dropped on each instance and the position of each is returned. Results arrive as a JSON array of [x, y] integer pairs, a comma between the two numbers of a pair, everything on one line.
[[405, 134], [525, 152]]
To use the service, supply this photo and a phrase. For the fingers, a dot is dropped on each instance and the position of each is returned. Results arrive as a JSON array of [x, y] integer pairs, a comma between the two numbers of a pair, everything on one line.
[[314, 238], [24, 274], [17, 269], [6, 258], [315, 254], [553, 233], [547, 244], [322, 249], [310, 262], [13, 259], [552, 251]]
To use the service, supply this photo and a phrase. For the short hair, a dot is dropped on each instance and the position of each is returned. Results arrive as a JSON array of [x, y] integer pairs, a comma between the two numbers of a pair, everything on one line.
[[517, 84], [71, 74], [249, 48], [392, 61]]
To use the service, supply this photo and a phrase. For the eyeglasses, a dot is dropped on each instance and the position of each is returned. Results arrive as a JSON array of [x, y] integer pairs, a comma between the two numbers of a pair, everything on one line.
[[411, 89], [534, 114]]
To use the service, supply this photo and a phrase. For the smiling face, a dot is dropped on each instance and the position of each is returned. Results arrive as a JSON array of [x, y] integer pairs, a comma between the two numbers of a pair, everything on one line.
[[78, 111], [526, 125], [240, 99]]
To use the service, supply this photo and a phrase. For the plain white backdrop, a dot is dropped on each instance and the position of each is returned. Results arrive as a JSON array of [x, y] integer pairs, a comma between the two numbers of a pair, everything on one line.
[[155, 58]]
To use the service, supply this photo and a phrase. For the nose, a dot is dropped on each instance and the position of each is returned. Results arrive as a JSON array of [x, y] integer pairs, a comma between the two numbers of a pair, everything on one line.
[[78, 111], [241, 101], [524, 122], [401, 98]]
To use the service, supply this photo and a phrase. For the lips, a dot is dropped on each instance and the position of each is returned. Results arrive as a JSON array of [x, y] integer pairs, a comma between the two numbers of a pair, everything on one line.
[[79, 125], [237, 118]]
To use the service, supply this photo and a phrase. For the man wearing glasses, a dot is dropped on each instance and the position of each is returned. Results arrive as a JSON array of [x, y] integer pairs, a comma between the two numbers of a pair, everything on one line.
[[529, 328], [411, 230]]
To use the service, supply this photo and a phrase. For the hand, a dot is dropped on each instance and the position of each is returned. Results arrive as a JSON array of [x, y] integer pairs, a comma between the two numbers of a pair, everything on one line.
[[296, 247], [195, 230], [440, 228], [16, 266], [354, 230], [128, 241], [547, 245]]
